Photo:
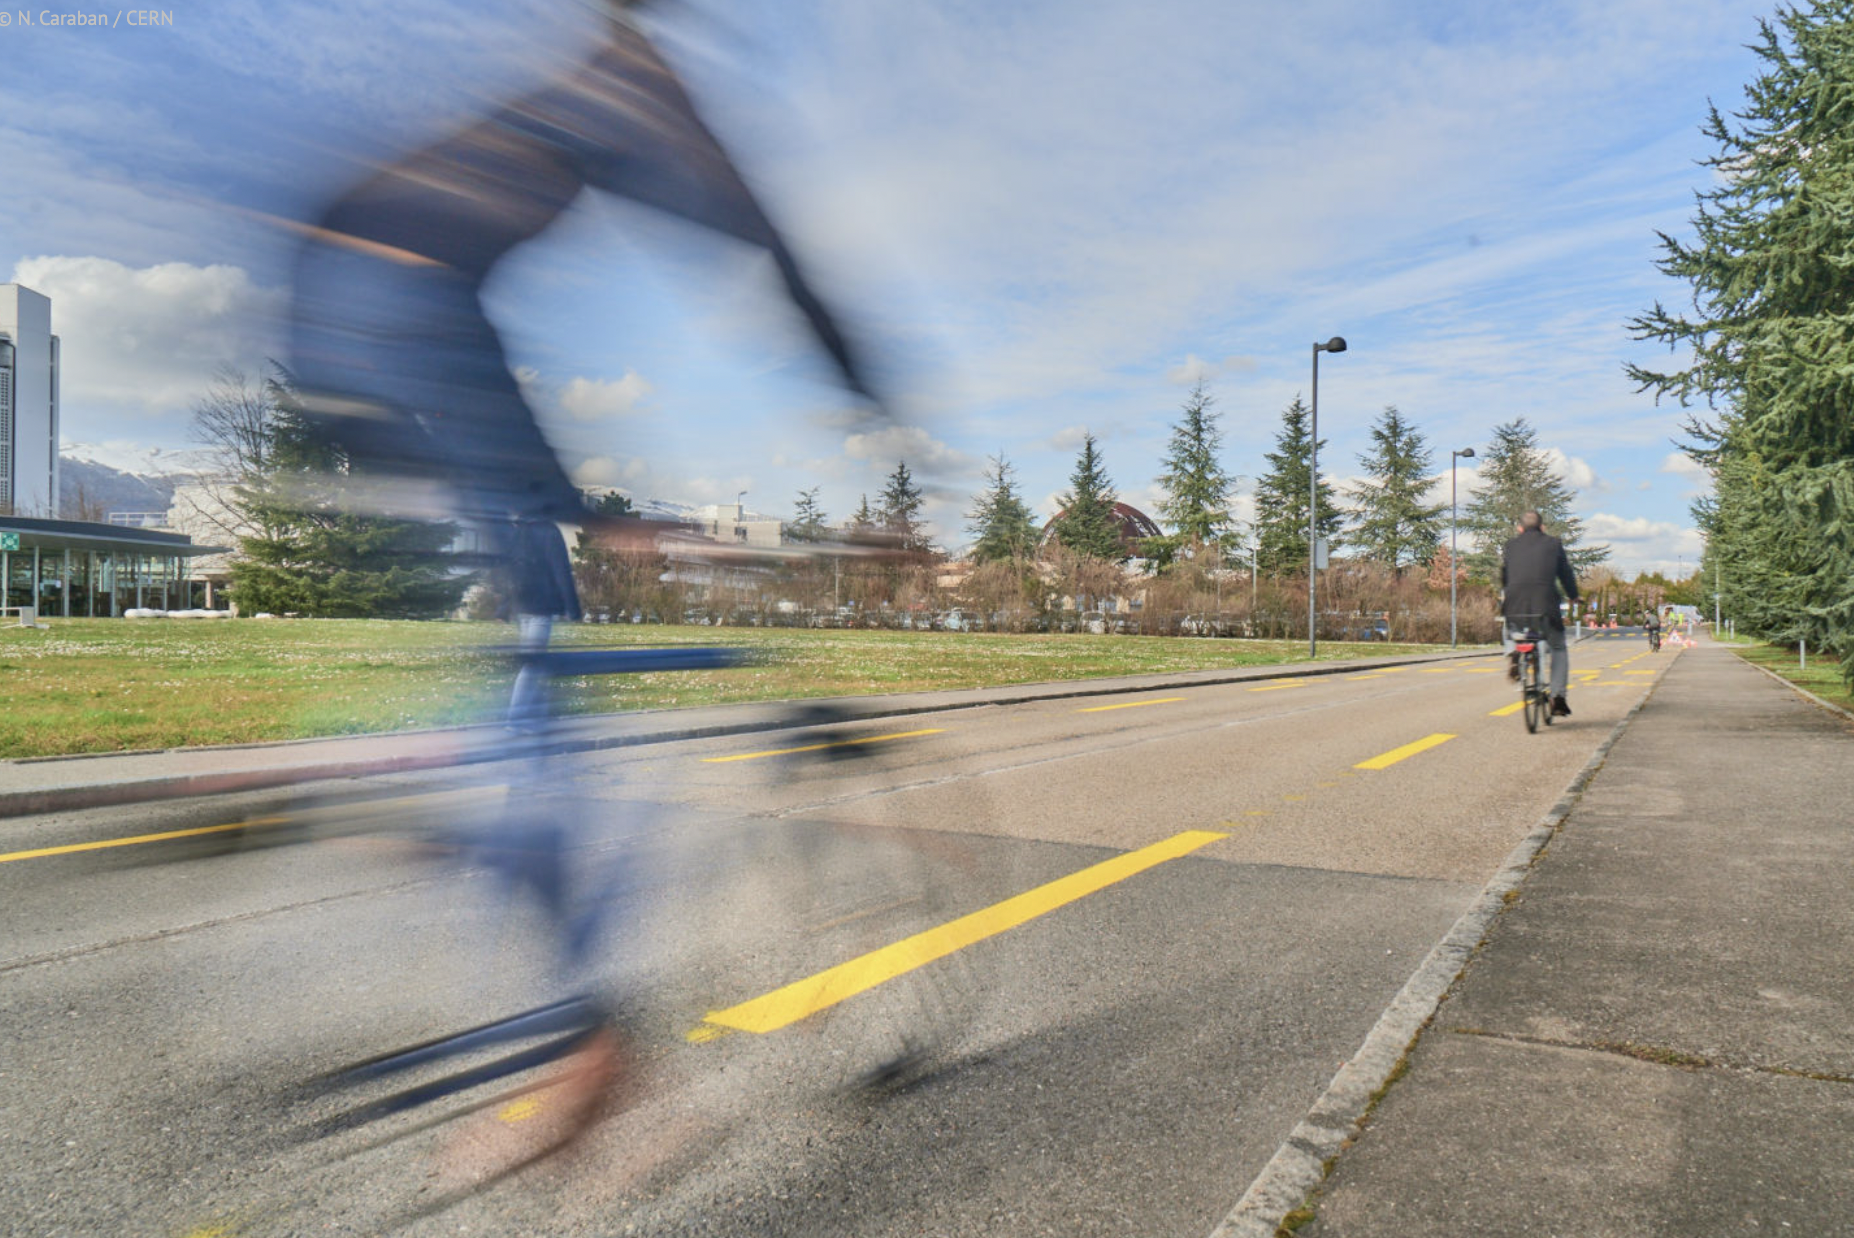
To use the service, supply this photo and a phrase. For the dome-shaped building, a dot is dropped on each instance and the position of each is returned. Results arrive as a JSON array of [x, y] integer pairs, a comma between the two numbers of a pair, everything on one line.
[[1135, 527]]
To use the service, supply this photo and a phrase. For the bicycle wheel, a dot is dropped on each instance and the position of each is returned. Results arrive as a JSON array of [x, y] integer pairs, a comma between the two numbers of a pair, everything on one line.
[[1538, 706]]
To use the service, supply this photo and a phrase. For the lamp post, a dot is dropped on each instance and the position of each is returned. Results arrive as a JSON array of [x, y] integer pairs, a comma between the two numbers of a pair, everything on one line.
[[1454, 565], [1336, 344]]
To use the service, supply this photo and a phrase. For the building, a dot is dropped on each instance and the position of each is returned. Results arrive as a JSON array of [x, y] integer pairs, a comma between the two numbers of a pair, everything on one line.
[[78, 569], [28, 404]]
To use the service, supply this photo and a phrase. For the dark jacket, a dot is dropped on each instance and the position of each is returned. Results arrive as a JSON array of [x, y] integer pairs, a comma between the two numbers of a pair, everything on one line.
[[1531, 567]]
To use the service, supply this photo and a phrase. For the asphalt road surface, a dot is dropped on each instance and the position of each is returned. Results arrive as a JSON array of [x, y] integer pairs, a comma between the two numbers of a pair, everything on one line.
[[1157, 925]]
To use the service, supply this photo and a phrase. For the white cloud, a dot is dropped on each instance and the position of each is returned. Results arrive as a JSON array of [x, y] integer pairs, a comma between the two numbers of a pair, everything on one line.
[[1576, 471], [598, 399], [150, 336], [922, 452], [1640, 543], [1194, 369], [1068, 439], [1680, 464]]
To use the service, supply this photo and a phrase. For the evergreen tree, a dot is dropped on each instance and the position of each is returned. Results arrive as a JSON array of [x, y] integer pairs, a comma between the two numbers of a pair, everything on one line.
[[310, 555], [1767, 345], [900, 516], [1517, 476], [611, 503], [863, 519], [1197, 490], [1087, 525], [808, 523], [1000, 521], [1281, 498], [1393, 524]]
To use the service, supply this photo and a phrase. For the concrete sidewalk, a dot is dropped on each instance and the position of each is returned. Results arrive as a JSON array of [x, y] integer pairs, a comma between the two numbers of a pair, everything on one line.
[[1657, 1037], [68, 784]]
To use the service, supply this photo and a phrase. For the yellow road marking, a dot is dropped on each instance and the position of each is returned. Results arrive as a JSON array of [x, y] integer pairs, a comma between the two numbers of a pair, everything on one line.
[[1638, 672], [841, 743], [802, 998], [71, 848], [1395, 755], [1276, 687], [1507, 711], [1256, 812], [1293, 799], [1374, 675], [1483, 670], [1157, 700], [1438, 670], [520, 1110], [1392, 670]]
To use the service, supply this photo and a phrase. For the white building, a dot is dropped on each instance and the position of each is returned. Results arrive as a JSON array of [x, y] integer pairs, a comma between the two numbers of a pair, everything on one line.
[[28, 404]]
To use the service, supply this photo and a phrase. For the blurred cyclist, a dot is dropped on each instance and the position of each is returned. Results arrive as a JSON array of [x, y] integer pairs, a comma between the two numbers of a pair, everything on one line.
[[1533, 566], [396, 362]]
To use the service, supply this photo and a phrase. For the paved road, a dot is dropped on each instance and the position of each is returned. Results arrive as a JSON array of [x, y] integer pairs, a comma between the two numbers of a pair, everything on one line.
[[1264, 866]]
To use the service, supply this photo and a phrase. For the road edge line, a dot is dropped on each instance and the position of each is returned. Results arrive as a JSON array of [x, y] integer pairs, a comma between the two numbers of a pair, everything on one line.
[[1300, 1165]]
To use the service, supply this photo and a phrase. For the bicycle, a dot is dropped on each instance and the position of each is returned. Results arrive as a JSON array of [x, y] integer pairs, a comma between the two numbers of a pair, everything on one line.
[[1533, 692], [1654, 640], [758, 904]]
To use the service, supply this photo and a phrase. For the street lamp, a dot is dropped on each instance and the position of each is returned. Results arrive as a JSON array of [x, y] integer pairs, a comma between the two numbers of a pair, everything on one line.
[[1336, 344], [1454, 565]]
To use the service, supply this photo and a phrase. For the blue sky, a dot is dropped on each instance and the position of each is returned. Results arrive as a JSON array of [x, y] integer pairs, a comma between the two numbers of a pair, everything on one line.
[[1045, 217]]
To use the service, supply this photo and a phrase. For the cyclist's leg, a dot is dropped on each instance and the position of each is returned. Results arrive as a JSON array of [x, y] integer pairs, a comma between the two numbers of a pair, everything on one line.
[[1560, 659]]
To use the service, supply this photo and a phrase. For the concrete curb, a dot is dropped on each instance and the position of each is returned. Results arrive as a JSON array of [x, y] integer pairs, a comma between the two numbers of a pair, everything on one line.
[[1301, 1163], [1791, 684], [185, 786]]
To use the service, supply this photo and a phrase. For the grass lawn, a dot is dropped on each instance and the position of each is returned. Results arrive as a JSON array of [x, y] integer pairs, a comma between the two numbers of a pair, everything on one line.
[[103, 685], [1822, 678]]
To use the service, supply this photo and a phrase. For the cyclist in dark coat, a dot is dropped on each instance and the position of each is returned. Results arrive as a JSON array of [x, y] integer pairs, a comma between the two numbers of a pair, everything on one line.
[[1533, 567]]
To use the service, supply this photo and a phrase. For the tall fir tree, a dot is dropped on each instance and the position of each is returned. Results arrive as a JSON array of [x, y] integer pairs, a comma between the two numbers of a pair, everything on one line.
[[1086, 524], [1197, 489], [808, 523], [1767, 346], [310, 554], [900, 515], [1517, 476], [1393, 524], [1281, 498], [1001, 523]]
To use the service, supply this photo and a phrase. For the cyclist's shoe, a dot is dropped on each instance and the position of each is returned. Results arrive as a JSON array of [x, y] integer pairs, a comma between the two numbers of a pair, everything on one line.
[[1512, 666], [1560, 708]]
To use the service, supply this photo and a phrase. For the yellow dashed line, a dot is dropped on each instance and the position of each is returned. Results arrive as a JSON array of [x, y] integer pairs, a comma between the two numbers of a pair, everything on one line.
[[842, 743], [1159, 700], [1385, 760]]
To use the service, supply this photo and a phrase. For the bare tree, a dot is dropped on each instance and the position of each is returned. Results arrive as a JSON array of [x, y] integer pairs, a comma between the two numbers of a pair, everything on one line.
[[232, 423]]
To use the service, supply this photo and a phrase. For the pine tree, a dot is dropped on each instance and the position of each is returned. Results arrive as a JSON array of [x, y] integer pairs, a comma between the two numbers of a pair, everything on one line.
[[808, 523], [311, 555], [1768, 340], [1086, 524], [1393, 524], [900, 516], [1197, 490], [1281, 498], [1000, 521], [863, 519], [1516, 476]]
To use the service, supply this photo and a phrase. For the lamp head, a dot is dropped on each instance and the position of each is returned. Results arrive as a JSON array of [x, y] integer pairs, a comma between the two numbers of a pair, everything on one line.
[[1336, 344], [1465, 452]]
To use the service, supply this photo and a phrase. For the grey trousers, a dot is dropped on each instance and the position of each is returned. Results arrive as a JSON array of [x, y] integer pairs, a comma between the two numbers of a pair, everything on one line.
[[1558, 673]]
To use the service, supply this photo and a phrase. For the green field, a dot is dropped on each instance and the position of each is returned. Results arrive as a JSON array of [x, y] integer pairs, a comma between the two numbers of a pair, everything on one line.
[[103, 685], [1823, 677]]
